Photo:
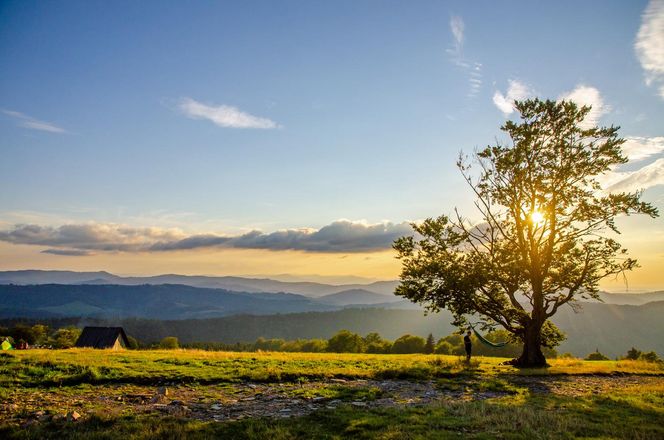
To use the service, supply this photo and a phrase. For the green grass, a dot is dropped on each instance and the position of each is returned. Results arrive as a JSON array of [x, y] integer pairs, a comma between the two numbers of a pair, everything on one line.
[[43, 368], [64, 380]]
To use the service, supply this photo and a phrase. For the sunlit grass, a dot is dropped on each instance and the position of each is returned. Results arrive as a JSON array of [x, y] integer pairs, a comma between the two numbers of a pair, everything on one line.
[[67, 367]]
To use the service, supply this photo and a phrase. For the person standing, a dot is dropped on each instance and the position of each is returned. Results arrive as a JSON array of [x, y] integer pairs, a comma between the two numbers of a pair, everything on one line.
[[468, 345]]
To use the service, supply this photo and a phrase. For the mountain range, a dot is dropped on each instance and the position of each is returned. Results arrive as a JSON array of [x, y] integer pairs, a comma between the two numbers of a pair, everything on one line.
[[263, 285], [247, 308]]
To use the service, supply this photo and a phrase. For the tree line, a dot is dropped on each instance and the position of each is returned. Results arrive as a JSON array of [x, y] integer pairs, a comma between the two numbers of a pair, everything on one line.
[[345, 341]]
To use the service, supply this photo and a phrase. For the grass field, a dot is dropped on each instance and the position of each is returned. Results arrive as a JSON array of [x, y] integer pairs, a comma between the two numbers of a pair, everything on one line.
[[298, 395]]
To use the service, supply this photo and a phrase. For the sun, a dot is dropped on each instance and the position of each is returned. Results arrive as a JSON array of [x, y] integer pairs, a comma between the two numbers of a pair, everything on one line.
[[537, 218]]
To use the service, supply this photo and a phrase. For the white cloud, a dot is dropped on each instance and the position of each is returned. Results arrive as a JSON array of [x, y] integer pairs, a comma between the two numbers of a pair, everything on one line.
[[457, 27], [644, 178], [587, 95], [639, 148], [224, 115], [516, 91], [31, 123], [649, 43]]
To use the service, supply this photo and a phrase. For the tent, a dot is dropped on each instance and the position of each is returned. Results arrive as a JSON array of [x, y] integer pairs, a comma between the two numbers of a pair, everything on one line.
[[6, 345]]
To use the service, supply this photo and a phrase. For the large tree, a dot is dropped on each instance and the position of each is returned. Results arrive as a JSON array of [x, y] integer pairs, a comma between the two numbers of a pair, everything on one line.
[[545, 238]]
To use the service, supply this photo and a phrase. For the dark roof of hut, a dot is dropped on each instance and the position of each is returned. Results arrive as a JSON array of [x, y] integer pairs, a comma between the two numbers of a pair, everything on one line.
[[101, 337]]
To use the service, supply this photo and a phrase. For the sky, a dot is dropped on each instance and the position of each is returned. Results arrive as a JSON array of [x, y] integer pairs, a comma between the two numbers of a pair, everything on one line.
[[295, 138]]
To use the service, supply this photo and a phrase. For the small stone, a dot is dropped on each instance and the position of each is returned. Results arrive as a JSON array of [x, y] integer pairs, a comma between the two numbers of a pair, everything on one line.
[[162, 391], [318, 399], [73, 416], [216, 407], [285, 410], [359, 404], [338, 380]]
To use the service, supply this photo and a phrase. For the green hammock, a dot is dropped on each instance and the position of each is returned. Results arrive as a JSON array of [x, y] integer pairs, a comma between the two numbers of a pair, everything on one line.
[[486, 341]]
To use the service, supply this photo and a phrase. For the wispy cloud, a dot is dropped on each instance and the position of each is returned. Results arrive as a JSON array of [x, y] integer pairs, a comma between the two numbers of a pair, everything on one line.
[[587, 95], [649, 44], [457, 26], [516, 91], [338, 236], [474, 69], [639, 148], [31, 123], [641, 179], [224, 115]]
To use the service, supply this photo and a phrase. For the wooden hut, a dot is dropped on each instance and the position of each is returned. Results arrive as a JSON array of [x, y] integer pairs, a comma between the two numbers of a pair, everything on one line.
[[103, 337]]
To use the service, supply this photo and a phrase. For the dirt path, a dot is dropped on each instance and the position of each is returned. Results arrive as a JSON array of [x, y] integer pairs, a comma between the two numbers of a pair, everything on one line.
[[236, 401]]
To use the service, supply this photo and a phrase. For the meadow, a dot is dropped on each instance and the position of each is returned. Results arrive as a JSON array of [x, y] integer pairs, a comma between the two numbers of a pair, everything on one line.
[[202, 394]]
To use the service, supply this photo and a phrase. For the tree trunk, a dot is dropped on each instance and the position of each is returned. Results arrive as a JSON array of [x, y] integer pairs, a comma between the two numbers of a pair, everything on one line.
[[532, 355]]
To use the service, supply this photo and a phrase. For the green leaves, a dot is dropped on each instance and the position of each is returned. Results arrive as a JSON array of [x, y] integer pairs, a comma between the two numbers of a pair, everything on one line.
[[542, 239]]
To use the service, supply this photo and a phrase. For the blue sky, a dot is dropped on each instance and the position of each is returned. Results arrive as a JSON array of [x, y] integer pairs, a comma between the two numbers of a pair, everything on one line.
[[108, 109]]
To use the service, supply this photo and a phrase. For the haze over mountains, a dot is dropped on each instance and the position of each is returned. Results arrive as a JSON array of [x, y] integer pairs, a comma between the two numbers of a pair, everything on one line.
[[238, 284], [262, 285], [232, 309]]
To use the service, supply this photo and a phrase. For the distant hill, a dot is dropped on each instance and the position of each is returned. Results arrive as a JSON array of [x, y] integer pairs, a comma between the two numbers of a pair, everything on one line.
[[165, 301], [238, 284], [634, 299], [357, 297], [264, 285]]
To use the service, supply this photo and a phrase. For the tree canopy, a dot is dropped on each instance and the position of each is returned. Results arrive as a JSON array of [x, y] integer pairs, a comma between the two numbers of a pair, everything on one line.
[[545, 235]]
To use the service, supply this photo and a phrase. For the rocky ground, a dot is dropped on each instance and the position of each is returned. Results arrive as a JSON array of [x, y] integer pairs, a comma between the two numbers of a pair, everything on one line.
[[226, 402]]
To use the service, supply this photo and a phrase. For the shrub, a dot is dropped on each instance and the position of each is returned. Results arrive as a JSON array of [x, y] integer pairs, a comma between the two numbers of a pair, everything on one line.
[[649, 357], [169, 343], [408, 344], [443, 347], [345, 342], [633, 354], [596, 356]]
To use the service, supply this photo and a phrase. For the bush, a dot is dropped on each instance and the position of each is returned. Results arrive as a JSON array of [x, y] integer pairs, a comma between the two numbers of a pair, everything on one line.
[[169, 343], [345, 342], [649, 357], [633, 354], [443, 347], [65, 337], [132, 343], [382, 347], [596, 356], [409, 344]]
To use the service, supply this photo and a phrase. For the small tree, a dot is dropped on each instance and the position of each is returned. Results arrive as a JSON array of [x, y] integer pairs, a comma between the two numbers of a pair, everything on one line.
[[596, 356], [650, 356], [345, 342], [408, 344], [169, 343], [633, 354], [430, 344], [542, 240], [65, 337], [443, 347]]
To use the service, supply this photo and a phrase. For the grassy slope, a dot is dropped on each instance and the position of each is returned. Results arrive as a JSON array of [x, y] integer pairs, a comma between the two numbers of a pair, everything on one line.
[[636, 412]]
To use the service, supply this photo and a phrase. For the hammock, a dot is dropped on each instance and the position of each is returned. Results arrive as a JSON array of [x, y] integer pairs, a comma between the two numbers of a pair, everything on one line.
[[486, 341]]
